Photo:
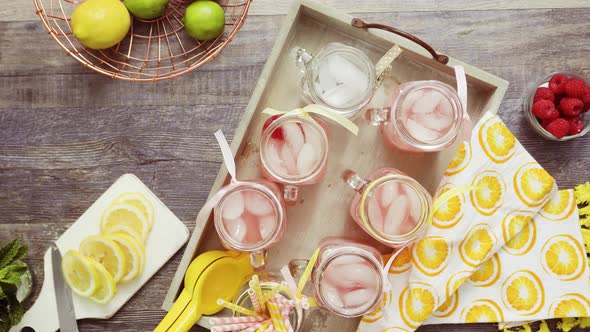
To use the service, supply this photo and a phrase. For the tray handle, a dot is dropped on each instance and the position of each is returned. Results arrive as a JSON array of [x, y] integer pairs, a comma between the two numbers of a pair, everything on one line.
[[357, 22]]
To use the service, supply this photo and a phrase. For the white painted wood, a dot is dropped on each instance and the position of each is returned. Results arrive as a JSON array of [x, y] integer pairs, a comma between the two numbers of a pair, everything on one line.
[[167, 236]]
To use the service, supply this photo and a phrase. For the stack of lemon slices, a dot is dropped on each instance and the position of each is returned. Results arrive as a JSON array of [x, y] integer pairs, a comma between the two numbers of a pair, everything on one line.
[[117, 255]]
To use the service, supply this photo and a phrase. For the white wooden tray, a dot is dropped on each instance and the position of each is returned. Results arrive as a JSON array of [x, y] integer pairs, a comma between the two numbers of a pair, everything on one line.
[[322, 209]]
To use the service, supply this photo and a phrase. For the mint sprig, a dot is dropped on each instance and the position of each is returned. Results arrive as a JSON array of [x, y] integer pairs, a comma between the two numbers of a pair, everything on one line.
[[12, 269]]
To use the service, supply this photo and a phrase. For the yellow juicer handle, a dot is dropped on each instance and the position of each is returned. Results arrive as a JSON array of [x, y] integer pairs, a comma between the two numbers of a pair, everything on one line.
[[182, 316]]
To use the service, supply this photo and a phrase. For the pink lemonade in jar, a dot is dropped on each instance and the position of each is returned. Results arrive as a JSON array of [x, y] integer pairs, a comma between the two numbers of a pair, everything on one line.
[[391, 207], [294, 151], [348, 278], [251, 217], [425, 116]]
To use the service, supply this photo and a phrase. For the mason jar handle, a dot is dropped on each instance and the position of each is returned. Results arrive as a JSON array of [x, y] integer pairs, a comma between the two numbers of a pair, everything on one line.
[[303, 57], [290, 193], [378, 116], [258, 259], [357, 22], [355, 181]]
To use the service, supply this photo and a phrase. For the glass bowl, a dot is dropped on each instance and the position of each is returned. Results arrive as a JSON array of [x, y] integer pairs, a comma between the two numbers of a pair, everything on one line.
[[534, 122]]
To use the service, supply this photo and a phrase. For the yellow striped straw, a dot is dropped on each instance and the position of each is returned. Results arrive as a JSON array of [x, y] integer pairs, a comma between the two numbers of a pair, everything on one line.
[[277, 318], [263, 327], [255, 285], [236, 308], [273, 292]]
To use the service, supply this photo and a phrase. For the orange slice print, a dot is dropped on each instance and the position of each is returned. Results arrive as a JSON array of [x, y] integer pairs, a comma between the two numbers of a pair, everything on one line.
[[477, 245], [496, 140], [563, 258], [519, 231], [523, 293]]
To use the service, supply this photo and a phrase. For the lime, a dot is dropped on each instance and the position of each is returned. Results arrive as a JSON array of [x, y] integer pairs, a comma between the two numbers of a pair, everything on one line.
[[99, 24], [147, 9], [204, 20]]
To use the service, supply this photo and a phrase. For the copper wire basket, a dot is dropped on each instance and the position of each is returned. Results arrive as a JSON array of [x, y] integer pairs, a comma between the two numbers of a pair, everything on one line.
[[153, 50]]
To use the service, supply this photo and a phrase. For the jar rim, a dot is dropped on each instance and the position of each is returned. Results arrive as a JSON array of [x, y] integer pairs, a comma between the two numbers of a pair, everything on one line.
[[451, 96]]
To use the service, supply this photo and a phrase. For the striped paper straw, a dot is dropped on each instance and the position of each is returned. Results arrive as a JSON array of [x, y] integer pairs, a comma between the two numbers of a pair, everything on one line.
[[275, 315], [273, 292], [254, 301], [234, 320], [284, 301], [264, 326], [232, 327], [236, 308], [255, 285], [253, 328], [285, 314]]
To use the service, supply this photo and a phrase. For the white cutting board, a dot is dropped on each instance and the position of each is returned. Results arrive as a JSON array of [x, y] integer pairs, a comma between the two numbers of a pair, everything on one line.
[[167, 236]]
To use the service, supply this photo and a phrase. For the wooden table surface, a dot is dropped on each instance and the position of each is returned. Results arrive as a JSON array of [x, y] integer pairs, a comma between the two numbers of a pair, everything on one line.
[[66, 133]]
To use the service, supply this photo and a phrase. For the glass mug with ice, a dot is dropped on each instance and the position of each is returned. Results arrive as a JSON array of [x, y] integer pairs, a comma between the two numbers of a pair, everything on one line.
[[294, 151], [424, 116], [347, 278], [340, 78], [391, 206]]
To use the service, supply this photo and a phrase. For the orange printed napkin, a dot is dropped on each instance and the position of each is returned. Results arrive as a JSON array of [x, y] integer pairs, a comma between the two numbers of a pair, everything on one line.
[[470, 233]]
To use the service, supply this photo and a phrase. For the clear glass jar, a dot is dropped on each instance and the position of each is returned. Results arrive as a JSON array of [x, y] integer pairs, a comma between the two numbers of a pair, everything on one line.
[[347, 278], [294, 151], [339, 77], [425, 116], [251, 217], [268, 282], [391, 206], [534, 122]]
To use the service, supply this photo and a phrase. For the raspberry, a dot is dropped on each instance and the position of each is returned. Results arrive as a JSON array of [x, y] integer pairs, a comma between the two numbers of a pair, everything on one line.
[[571, 106], [277, 133], [586, 99], [558, 127], [544, 109], [557, 84], [575, 88], [576, 125], [544, 93]]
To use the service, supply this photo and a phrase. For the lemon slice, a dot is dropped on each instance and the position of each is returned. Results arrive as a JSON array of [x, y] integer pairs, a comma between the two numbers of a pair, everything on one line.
[[106, 252], [134, 254], [81, 276], [124, 229], [139, 201], [125, 214], [107, 289]]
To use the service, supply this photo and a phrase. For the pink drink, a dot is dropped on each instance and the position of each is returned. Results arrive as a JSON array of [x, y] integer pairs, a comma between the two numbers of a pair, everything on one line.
[[395, 208], [251, 217], [425, 116], [294, 151], [348, 280]]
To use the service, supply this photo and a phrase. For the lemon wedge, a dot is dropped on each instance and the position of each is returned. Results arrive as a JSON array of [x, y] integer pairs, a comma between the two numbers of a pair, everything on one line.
[[124, 229], [125, 214], [139, 201], [106, 252], [107, 287], [81, 276], [134, 255]]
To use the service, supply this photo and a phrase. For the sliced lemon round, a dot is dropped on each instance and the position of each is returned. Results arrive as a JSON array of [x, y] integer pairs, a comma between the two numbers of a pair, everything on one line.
[[125, 214], [134, 255], [141, 202], [124, 229], [81, 276], [107, 289], [106, 252]]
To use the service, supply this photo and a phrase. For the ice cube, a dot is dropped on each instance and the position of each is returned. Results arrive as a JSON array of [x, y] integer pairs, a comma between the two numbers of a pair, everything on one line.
[[257, 203], [266, 226], [388, 192], [274, 159], [415, 204], [236, 229], [374, 213], [428, 102], [408, 225], [420, 132], [346, 72], [293, 136], [349, 276], [410, 99], [359, 297], [233, 206], [288, 158], [325, 80], [435, 121], [307, 159], [341, 95], [312, 137], [348, 259], [396, 215], [332, 296], [445, 108]]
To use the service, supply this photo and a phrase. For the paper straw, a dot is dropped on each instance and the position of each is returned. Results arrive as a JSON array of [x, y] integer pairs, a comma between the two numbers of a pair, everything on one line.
[[236, 308], [232, 327], [253, 328], [283, 301], [264, 326], [275, 315], [273, 292], [286, 319], [255, 285], [254, 301], [234, 320]]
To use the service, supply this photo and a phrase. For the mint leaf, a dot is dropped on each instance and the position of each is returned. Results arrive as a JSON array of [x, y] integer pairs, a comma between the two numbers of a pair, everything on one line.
[[15, 310], [2, 294], [12, 273], [8, 252]]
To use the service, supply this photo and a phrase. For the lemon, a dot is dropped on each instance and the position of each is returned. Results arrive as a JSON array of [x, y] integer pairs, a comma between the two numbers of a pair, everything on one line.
[[124, 229], [139, 201], [204, 20], [147, 9], [107, 289], [100, 24], [106, 252], [125, 214], [134, 255], [81, 276]]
